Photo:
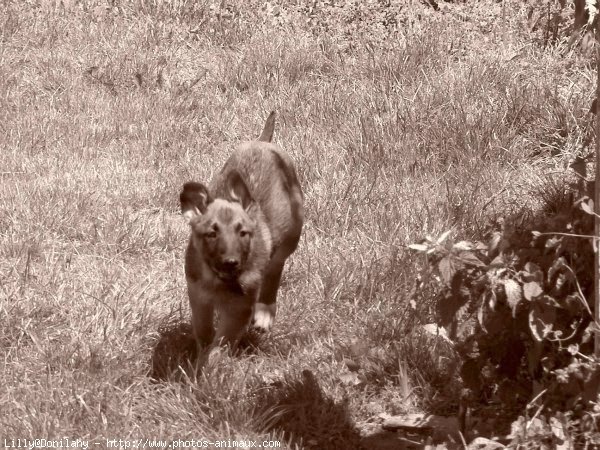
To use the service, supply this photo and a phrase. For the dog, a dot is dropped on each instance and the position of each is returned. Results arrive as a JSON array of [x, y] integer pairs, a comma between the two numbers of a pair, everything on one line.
[[243, 229]]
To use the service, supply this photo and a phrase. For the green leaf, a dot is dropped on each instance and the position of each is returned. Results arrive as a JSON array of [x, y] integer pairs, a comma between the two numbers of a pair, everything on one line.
[[553, 242], [418, 247], [542, 317], [573, 349], [588, 206], [557, 265], [495, 241], [465, 331], [498, 261], [492, 299], [463, 246], [481, 314], [436, 330], [470, 259], [480, 246], [531, 290], [532, 268], [513, 294], [560, 432], [531, 272], [448, 268], [518, 428], [590, 332], [592, 8], [574, 304], [443, 237]]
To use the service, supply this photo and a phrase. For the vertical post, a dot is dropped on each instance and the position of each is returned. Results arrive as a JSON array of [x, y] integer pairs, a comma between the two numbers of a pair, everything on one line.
[[597, 199]]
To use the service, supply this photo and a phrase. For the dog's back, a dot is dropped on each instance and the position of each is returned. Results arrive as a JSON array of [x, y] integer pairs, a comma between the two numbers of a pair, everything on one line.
[[273, 184]]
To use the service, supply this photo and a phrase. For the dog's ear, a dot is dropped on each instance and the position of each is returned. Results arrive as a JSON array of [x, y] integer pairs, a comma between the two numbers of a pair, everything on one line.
[[238, 190], [194, 199], [267, 132]]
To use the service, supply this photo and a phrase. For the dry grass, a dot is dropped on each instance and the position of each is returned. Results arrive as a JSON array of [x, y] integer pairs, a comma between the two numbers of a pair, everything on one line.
[[105, 112]]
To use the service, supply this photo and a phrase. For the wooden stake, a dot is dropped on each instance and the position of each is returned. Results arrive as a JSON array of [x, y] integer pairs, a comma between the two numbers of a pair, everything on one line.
[[597, 201]]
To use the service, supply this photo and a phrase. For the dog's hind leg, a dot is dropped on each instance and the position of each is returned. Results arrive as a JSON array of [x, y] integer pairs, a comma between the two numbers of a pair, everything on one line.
[[266, 307]]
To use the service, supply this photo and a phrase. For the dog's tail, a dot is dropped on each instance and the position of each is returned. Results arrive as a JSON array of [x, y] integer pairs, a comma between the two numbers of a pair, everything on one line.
[[267, 132]]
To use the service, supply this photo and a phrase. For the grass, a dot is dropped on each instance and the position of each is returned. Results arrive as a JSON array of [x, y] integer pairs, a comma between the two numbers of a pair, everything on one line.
[[108, 110]]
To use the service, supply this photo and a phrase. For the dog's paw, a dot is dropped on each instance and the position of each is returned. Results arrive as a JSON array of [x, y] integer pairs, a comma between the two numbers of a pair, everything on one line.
[[264, 316], [215, 354]]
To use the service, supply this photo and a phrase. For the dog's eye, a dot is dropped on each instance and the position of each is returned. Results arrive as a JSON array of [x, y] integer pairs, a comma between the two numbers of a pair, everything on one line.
[[244, 233]]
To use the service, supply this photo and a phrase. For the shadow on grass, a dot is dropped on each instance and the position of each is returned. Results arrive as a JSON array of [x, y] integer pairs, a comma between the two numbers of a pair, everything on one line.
[[306, 416], [177, 356], [389, 440]]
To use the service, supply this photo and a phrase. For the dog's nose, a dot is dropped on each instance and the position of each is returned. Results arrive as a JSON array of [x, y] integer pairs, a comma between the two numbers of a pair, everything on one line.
[[231, 264]]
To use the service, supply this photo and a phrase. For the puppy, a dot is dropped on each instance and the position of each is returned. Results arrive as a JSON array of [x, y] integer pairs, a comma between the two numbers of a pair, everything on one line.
[[243, 228]]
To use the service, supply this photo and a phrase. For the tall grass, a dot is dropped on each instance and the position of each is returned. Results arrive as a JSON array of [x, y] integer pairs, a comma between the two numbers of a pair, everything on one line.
[[107, 108]]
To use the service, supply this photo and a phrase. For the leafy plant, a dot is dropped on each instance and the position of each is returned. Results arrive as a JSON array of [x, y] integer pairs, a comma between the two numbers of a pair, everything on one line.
[[518, 309]]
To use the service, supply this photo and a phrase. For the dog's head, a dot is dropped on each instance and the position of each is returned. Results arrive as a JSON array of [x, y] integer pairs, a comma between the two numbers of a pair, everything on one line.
[[222, 229]]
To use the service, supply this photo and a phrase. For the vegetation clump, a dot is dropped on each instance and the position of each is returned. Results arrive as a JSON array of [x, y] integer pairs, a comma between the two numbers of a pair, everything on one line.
[[519, 308]]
